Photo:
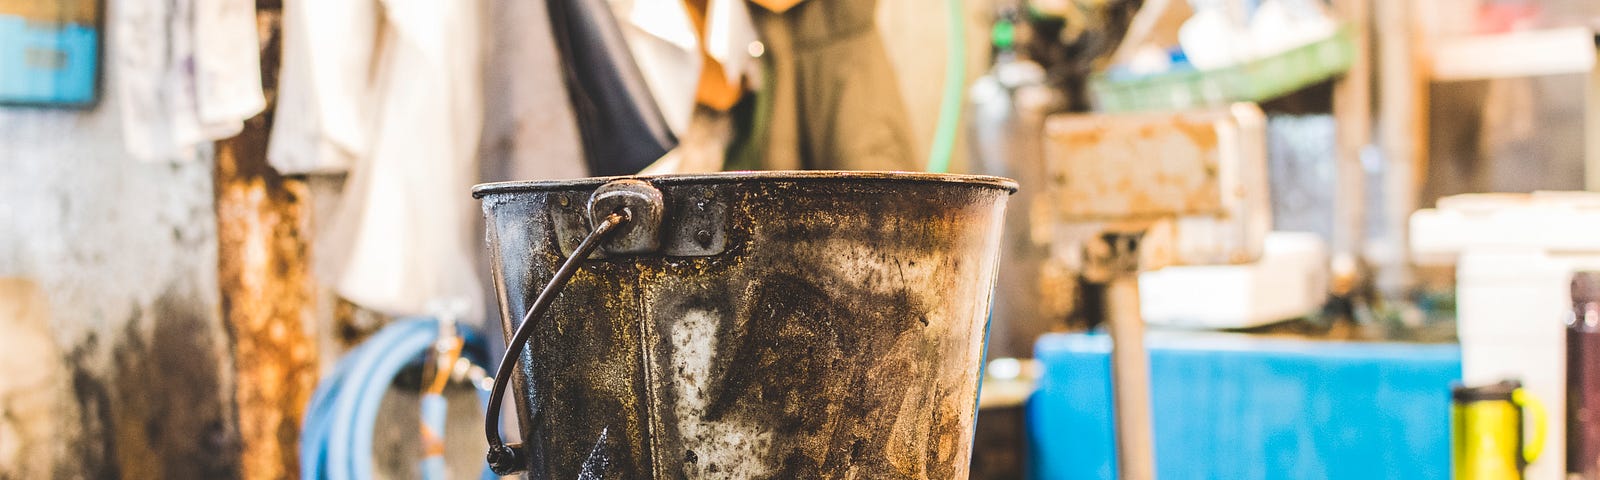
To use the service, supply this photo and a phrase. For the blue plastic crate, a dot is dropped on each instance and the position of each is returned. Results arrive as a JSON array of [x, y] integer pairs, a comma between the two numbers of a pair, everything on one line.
[[1240, 407]]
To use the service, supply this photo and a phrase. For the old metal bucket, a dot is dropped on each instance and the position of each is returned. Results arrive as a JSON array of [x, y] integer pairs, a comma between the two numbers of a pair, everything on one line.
[[789, 325]]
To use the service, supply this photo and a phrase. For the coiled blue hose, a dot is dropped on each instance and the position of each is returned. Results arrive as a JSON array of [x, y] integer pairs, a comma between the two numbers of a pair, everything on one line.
[[336, 439]]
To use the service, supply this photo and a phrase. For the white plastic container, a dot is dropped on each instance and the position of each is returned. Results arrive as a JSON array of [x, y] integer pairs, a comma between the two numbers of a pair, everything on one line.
[[1289, 281]]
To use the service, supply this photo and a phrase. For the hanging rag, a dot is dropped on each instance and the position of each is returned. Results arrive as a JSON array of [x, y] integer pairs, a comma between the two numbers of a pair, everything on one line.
[[834, 102], [227, 63], [402, 232], [696, 57], [661, 37], [732, 41], [325, 88], [691, 52], [188, 73]]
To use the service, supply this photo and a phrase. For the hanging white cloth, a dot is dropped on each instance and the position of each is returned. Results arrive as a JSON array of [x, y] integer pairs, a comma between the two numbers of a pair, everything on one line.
[[661, 38], [325, 85], [402, 234], [227, 63], [187, 73], [731, 39]]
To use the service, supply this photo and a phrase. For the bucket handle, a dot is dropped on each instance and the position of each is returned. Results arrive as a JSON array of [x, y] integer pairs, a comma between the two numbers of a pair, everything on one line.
[[509, 459]]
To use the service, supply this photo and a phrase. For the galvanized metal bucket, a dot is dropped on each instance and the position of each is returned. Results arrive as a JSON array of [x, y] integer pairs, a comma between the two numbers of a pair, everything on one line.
[[788, 325]]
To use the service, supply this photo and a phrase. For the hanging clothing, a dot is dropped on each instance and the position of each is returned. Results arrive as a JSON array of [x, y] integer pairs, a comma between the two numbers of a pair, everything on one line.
[[528, 132], [661, 37], [401, 238], [725, 32], [691, 52], [188, 72], [325, 86], [834, 103], [697, 57], [622, 127], [227, 63]]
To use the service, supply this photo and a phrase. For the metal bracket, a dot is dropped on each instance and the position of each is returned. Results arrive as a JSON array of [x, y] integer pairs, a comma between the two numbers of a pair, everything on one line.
[[643, 206], [1112, 255], [690, 222]]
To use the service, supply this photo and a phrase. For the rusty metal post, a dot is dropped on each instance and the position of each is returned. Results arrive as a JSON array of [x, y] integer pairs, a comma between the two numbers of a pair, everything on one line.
[[1114, 262], [264, 275], [1130, 371]]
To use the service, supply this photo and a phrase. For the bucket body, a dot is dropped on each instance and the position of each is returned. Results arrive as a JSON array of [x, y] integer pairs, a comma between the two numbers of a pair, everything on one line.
[[788, 325]]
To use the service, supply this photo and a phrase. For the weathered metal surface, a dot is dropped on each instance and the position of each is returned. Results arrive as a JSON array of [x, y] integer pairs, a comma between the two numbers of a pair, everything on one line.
[[838, 335], [1195, 182], [694, 224], [264, 275], [1125, 166], [643, 207]]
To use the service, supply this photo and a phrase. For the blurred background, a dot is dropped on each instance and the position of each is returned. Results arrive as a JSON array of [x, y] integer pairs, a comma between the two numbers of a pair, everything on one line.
[[1355, 236]]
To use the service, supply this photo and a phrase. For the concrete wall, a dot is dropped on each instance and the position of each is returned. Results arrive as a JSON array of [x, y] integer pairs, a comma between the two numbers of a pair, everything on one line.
[[113, 353]]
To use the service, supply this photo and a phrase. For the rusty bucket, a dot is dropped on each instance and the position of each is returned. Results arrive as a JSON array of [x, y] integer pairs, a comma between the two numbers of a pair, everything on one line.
[[744, 325]]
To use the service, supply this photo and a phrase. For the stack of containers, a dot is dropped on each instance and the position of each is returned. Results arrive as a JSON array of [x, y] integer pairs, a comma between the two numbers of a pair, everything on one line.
[[1515, 255]]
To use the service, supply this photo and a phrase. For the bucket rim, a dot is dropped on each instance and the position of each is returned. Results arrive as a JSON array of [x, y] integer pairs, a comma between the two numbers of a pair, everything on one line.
[[1001, 183]]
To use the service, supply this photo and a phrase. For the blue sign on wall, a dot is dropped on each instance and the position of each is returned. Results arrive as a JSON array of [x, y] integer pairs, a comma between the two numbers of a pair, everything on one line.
[[49, 52]]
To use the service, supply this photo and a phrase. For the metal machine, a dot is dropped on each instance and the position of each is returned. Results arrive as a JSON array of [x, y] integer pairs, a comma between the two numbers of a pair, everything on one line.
[[1134, 192]]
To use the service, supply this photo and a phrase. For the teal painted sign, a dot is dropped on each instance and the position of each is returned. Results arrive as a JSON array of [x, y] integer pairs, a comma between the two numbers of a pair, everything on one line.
[[49, 52]]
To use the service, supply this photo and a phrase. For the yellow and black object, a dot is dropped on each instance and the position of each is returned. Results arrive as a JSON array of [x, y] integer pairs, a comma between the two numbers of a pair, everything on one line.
[[1488, 424]]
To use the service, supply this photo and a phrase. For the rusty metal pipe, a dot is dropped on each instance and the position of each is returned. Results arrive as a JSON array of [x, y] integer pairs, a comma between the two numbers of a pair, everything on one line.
[[1130, 372]]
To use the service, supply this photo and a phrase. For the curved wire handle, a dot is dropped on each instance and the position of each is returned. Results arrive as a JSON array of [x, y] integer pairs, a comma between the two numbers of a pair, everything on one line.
[[508, 459]]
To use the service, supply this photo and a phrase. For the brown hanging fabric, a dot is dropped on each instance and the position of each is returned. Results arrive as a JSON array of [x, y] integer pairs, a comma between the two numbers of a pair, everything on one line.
[[836, 104]]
